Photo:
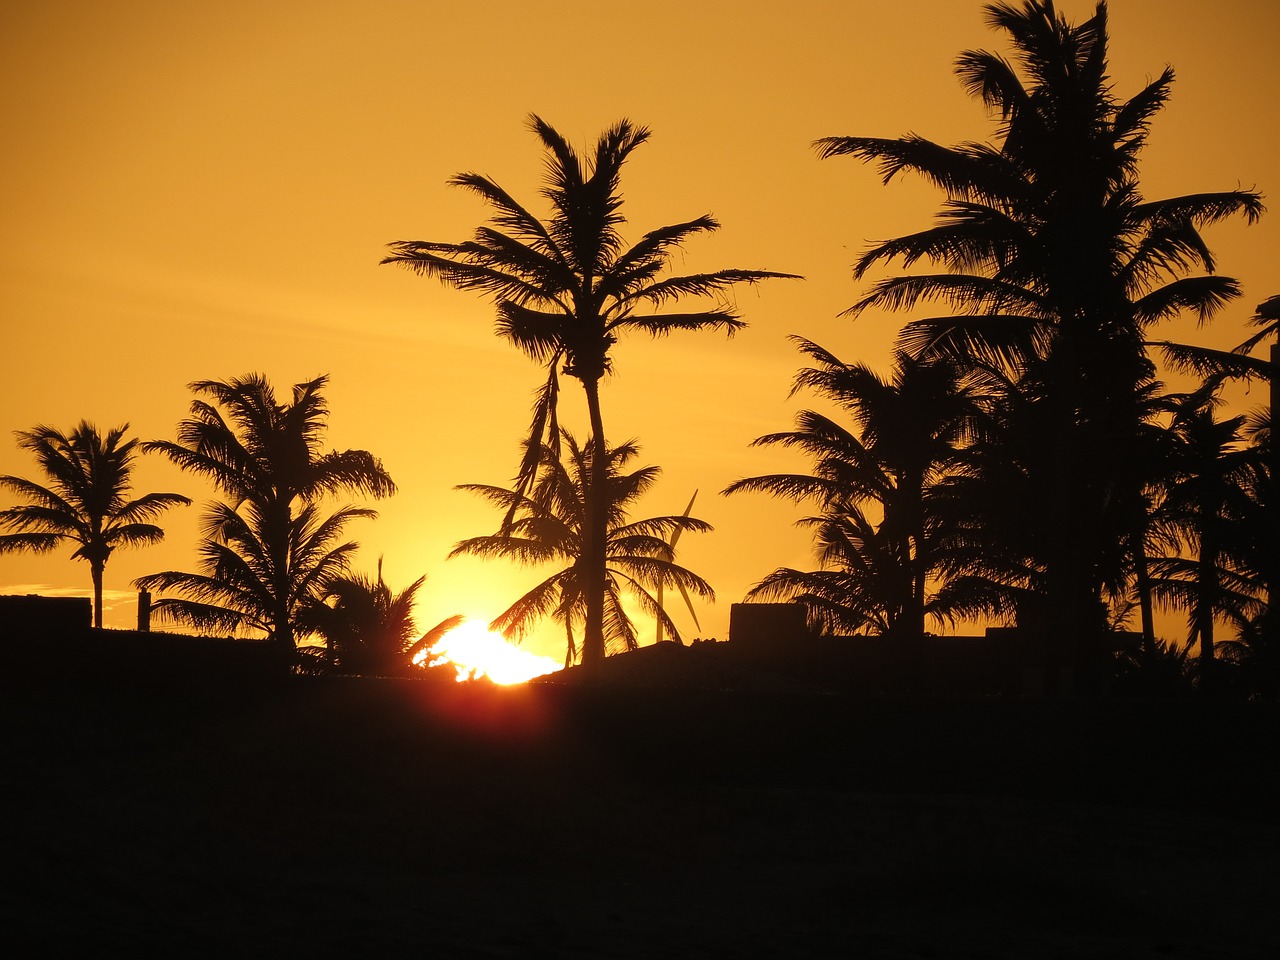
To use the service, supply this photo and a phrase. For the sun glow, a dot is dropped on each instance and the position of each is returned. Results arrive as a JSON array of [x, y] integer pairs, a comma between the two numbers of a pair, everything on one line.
[[475, 651]]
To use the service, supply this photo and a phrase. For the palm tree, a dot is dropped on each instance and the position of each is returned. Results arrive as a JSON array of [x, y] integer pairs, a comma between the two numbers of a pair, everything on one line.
[[1260, 532], [1207, 499], [367, 629], [1054, 265], [258, 572], [565, 289], [84, 503], [879, 537], [860, 585], [269, 550], [548, 526], [1239, 363]]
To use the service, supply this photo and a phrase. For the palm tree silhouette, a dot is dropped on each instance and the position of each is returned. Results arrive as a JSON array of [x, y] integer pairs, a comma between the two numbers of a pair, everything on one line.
[[84, 503], [1207, 500], [1238, 363], [1054, 265], [566, 288], [269, 550], [367, 628], [1261, 533], [879, 538], [548, 526], [1255, 649]]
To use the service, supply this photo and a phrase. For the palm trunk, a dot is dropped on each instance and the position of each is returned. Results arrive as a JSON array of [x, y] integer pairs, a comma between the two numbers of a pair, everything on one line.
[[569, 648], [95, 571], [911, 640], [595, 534], [1207, 591], [919, 558], [283, 634], [1076, 621], [280, 520], [1143, 583], [1070, 519]]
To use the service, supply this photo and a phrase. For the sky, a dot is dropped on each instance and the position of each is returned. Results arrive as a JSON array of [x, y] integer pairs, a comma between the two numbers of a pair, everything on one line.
[[201, 190]]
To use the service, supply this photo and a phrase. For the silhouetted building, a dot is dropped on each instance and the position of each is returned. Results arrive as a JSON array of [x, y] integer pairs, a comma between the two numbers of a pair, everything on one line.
[[27, 616]]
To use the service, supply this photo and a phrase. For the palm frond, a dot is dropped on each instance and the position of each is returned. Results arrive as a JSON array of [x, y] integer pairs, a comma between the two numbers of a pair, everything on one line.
[[976, 294], [1206, 361]]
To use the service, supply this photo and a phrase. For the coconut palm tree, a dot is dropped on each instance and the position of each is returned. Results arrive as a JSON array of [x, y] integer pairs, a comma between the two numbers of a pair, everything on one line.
[[566, 288], [861, 584], [258, 571], [1260, 533], [85, 501], [1053, 268], [880, 540], [1207, 499], [548, 527], [366, 628], [254, 448], [269, 549], [1239, 363]]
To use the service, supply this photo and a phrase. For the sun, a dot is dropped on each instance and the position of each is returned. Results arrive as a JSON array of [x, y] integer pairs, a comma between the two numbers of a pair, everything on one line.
[[475, 651]]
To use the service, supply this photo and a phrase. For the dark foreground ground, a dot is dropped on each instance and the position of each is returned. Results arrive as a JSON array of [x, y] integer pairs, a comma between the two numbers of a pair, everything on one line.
[[384, 818]]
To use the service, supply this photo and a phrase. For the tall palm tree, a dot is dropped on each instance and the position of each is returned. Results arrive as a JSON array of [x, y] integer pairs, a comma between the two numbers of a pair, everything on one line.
[[85, 502], [1054, 266], [269, 549], [879, 537], [566, 288], [548, 526]]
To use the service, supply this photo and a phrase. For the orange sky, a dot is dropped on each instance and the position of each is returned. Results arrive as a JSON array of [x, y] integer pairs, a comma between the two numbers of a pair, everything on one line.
[[199, 190]]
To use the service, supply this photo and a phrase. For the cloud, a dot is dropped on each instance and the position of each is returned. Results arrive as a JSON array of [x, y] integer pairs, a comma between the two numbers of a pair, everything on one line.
[[111, 599]]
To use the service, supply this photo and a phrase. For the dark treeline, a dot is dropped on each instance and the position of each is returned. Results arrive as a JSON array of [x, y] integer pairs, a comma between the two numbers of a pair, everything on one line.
[[1022, 463], [1022, 460]]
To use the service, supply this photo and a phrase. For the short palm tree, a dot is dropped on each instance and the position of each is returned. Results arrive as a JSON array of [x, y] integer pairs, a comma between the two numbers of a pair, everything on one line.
[[1207, 499], [860, 585], [85, 501], [269, 549], [879, 539], [566, 288], [367, 628], [1239, 363], [547, 527], [1261, 533]]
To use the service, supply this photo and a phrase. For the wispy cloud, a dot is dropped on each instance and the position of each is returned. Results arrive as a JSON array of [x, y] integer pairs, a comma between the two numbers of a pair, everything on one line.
[[46, 590], [112, 600]]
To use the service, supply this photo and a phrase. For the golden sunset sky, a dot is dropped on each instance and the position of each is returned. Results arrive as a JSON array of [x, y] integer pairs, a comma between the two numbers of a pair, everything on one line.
[[198, 190]]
